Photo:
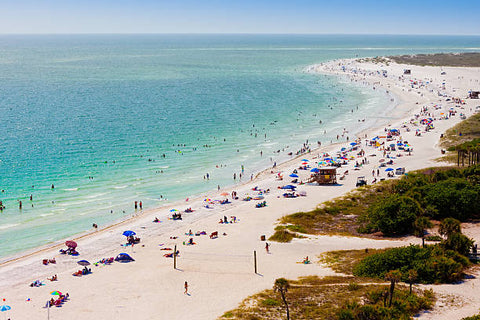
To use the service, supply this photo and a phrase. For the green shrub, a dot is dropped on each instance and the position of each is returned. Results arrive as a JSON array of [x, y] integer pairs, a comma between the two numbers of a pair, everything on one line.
[[453, 197], [394, 214], [433, 264], [459, 243]]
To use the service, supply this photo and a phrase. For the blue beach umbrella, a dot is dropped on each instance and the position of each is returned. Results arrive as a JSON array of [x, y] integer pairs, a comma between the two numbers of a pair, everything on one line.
[[5, 308], [124, 257], [353, 143], [293, 175], [305, 160], [129, 233], [389, 169], [83, 263], [289, 186], [316, 170]]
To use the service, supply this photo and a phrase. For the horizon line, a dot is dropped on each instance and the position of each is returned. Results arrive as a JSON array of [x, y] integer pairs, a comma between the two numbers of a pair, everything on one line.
[[236, 33]]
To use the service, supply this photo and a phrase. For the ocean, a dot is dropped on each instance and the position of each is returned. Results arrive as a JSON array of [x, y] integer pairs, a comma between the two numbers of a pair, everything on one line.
[[112, 119]]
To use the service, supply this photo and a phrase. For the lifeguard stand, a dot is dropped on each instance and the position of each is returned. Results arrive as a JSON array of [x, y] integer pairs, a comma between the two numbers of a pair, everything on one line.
[[327, 175]]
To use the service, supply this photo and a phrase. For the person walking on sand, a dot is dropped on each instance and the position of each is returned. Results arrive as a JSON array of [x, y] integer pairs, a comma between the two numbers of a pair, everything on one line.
[[267, 247], [186, 287]]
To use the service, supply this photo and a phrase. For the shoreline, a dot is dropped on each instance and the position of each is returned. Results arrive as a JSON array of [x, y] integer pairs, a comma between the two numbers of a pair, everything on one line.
[[237, 239]]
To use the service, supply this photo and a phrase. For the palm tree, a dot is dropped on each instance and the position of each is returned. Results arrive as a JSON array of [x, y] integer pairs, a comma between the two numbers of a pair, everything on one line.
[[281, 285], [421, 224], [449, 226], [412, 276], [393, 276]]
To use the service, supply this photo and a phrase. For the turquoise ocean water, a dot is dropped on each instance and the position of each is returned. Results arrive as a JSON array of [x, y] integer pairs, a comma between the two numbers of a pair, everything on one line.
[[147, 116]]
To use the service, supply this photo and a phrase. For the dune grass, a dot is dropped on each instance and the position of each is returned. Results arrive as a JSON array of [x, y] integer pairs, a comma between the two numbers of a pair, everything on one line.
[[343, 261], [328, 298]]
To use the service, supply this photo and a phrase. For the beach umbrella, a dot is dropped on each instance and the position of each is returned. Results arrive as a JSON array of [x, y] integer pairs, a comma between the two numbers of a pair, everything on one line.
[[389, 169], [293, 175], [305, 160], [315, 170], [71, 244], [83, 263], [225, 194], [56, 293], [289, 187], [5, 308], [124, 257], [353, 143], [129, 233], [173, 210]]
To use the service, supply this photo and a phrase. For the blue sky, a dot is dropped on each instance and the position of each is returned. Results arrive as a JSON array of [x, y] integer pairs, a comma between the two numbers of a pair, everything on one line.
[[247, 16]]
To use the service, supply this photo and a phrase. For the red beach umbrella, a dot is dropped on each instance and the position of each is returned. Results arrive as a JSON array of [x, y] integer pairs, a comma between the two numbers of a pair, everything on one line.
[[71, 244]]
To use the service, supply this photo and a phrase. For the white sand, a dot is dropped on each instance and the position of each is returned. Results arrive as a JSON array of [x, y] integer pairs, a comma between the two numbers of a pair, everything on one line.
[[220, 271]]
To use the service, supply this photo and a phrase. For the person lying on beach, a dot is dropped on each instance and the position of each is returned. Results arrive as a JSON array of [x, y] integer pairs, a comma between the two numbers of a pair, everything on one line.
[[36, 283], [305, 260], [170, 255], [156, 220], [47, 261], [53, 278]]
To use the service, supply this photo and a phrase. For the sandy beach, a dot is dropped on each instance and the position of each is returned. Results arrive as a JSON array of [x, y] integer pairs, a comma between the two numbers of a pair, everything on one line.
[[220, 271]]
